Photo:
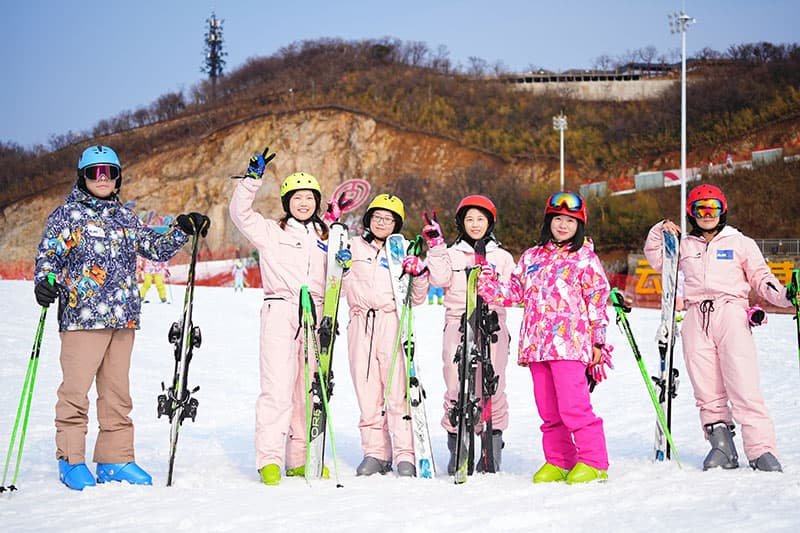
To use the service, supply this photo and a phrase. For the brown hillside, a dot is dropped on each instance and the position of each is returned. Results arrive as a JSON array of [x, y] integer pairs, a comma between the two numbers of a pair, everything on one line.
[[332, 144]]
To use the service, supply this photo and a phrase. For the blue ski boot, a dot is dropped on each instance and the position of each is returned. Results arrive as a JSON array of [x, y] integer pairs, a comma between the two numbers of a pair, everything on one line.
[[130, 472], [76, 476]]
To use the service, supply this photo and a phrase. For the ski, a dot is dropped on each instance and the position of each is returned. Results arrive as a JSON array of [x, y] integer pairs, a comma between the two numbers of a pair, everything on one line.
[[323, 377], [489, 325], [319, 394], [667, 381], [467, 411], [396, 249], [621, 310], [176, 402]]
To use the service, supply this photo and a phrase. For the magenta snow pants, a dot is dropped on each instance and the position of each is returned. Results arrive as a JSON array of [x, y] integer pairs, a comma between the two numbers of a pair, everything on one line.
[[451, 341], [280, 408], [721, 361], [571, 432], [370, 342]]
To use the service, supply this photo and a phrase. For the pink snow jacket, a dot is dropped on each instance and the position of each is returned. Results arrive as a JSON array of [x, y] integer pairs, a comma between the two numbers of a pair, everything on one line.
[[367, 285], [288, 258], [726, 267], [448, 266], [564, 294]]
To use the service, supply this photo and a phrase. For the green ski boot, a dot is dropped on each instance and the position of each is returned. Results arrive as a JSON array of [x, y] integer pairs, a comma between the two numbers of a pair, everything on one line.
[[550, 473], [300, 471], [583, 473], [270, 474]]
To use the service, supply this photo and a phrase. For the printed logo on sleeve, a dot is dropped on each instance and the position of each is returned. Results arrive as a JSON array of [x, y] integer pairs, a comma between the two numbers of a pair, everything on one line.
[[724, 255], [385, 263], [322, 246]]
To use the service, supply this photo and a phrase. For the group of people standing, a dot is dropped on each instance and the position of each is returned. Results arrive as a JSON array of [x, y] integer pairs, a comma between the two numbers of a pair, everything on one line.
[[560, 282]]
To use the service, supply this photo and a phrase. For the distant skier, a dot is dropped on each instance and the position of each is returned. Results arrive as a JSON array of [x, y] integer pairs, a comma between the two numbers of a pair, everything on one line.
[[153, 273], [720, 267], [238, 272], [292, 253], [562, 339], [475, 218], [90, 243]]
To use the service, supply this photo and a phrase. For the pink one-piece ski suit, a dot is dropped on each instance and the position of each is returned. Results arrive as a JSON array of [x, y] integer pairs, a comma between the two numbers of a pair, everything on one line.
[[448, 268], [288, 259], [565, 295], [718, 347], [371, 335]]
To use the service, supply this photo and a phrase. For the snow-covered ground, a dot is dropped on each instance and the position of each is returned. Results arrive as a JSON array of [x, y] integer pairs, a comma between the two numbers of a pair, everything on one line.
[[216, 486]]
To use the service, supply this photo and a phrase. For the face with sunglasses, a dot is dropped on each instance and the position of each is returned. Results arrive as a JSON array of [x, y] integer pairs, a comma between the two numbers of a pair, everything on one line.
[[101, 180]]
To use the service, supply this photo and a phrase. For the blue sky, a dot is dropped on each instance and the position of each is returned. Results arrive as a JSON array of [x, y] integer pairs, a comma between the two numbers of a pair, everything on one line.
[[69, 63]]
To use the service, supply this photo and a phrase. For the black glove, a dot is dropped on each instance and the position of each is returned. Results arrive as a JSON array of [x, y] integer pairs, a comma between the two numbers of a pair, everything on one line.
[[45, 293], [194, 222]]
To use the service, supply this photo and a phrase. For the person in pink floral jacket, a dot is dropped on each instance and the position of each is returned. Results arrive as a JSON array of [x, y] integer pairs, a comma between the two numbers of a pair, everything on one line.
[[564, 289]]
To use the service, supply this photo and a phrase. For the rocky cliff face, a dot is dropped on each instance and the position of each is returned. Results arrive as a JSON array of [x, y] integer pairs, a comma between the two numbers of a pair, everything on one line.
[[332, 144]]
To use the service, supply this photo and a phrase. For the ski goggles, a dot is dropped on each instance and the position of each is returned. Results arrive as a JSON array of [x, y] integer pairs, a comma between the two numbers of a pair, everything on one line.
[[566, 200], [93, 172], [708, 208]]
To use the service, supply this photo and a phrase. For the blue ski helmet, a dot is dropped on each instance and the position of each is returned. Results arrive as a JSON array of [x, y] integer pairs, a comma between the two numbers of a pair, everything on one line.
[[98, 155]]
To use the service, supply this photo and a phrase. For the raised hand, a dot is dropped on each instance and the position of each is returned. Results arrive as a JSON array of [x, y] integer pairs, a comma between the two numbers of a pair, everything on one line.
[[432, 231], [258, 163]]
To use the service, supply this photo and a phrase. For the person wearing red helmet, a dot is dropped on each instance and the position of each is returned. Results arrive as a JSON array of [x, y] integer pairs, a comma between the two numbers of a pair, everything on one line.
[[720, 267], [475, 219], [564, 289]]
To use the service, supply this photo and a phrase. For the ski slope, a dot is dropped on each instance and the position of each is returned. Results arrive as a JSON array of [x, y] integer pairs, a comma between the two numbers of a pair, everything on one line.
[[216, 486]]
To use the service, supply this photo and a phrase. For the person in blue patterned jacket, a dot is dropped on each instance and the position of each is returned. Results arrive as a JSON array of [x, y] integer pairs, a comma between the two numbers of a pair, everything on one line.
[[90, 243]]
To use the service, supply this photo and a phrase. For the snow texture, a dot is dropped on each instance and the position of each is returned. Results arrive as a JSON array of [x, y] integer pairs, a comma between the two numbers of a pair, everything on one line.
[[216, 486]]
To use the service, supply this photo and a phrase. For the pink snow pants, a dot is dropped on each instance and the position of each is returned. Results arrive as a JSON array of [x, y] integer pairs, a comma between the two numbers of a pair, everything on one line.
[[370, 339], [281, 407], [723, 367], [571, 432], [451, 341]]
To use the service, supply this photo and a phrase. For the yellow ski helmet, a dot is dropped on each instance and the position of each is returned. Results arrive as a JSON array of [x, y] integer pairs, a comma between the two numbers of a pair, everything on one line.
[[297, 182], [390, 203]]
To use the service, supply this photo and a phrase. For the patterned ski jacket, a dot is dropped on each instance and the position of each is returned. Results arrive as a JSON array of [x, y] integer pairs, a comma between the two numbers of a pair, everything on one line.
[[727, 267], [564, 294], [91, 246]]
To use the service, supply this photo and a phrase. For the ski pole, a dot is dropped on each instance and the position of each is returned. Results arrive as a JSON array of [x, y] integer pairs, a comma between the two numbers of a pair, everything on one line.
[[25, 398], [796, 283], [620, 308]]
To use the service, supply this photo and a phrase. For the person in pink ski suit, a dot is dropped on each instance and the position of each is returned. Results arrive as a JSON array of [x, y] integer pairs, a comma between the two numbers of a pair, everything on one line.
[[371, 333], [292, 253], [562, 339], [476, 216], [721, 266]]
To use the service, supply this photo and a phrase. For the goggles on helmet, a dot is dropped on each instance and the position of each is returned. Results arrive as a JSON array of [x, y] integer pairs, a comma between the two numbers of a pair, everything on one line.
[[566, 200], [707, 208], [94, 172]]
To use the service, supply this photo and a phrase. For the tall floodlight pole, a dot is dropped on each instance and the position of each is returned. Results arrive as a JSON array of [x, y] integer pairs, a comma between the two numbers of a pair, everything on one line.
[[679, 23], [560, 124]]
